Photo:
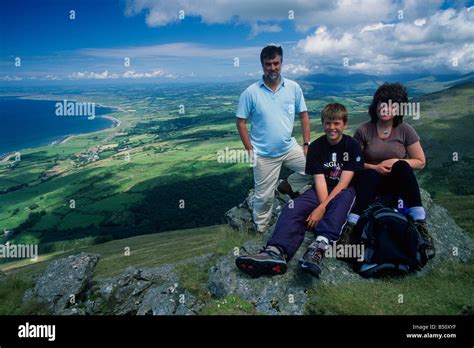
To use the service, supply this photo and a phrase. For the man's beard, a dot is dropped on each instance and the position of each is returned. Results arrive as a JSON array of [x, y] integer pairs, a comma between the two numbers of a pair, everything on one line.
[[269, 77]]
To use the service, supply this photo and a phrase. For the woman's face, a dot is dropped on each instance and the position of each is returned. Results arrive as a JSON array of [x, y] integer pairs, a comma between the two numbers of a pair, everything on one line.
[[386, 111]]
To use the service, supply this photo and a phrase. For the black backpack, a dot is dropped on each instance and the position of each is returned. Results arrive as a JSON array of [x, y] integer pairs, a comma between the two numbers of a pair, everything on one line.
[[392, 244]]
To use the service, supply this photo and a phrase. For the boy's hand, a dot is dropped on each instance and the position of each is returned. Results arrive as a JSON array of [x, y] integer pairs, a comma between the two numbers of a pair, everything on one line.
[[315, 216]]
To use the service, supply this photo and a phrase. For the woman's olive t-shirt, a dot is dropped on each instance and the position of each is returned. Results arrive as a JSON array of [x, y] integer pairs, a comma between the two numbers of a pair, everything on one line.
[[376, 149]]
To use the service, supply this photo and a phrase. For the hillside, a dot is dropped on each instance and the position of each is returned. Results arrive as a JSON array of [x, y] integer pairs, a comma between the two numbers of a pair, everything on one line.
[[199, 265], [445, 124]]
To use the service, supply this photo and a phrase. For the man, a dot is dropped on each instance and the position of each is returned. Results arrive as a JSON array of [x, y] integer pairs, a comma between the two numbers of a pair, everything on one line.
[[271, 104]]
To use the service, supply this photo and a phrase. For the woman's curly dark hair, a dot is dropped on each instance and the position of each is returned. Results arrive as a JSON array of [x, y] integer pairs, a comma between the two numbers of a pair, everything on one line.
[[395, 92]]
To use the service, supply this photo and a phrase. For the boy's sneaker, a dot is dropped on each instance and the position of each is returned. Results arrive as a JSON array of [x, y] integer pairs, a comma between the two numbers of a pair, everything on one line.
[[285, 188], [269, 261], [422, 227], [348, 234], [313, 257]]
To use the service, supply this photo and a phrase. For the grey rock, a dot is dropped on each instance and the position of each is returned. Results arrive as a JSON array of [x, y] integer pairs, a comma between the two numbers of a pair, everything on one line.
[[149, 291], [167, 300], [452, 242], [157, 301], [125, 292], [240, 217], [28, 295], [71, 311], [64, 278]]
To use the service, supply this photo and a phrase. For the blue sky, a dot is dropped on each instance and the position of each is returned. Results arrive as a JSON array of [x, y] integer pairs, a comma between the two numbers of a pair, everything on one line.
[[341, 37]]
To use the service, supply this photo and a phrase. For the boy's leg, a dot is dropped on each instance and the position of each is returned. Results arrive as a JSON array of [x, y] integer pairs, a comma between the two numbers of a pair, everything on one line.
[[286, 239], [328, 230], [296, 161], [291, 225], [335, 217], [265, 174]]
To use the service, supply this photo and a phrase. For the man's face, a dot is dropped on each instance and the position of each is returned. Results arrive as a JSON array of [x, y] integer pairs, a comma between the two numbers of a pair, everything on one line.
[[271, 68]]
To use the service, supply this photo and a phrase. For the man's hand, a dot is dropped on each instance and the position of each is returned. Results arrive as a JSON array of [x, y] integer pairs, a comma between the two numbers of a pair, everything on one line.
[[315, 216], [305, 150]]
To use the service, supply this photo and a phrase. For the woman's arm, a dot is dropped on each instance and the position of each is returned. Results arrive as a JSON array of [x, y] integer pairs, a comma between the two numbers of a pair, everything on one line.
[[417, 158]]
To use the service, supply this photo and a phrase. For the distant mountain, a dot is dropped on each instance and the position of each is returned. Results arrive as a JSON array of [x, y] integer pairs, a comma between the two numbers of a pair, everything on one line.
[[362, 84], [430, 84]]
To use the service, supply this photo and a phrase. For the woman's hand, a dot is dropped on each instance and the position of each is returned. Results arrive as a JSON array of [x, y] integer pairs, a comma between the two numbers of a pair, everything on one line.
[[389, 162], [383, 169], [315, 216]]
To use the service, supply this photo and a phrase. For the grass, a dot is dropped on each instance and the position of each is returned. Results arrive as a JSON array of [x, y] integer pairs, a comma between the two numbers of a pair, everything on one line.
[[229, 305], [11, 293], [444, 291]]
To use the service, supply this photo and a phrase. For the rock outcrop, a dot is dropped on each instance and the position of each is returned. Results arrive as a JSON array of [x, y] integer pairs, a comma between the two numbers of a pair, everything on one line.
[[64, 281], [137, 291], [146, 291]]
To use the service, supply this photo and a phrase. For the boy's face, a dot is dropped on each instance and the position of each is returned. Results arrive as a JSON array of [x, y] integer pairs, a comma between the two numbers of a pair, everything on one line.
[[334, 130]]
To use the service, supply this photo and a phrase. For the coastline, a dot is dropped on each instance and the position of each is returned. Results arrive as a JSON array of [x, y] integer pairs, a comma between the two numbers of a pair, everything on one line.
[[116, 122]]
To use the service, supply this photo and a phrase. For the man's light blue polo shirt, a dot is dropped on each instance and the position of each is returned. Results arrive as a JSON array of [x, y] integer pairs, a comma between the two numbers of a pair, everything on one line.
[[272, 115]]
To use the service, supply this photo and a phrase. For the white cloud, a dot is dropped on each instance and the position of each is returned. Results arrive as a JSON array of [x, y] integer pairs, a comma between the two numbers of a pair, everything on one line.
[[177, 49], [323, 43], [429, 43], [264, 28], [307, 13], [52, 77], [378, 26], [87, 75], [11, 78], [420, 22], [129, 74], [297, 69]]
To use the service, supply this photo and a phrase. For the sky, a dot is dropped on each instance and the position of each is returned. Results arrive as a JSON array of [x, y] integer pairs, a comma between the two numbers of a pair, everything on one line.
[[221, 40]]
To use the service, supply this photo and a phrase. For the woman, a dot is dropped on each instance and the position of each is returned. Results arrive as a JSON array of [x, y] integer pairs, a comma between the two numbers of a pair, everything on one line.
[[392, 151]]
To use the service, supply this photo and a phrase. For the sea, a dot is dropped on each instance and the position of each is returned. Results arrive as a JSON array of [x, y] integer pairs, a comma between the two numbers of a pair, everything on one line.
[[29, 123]]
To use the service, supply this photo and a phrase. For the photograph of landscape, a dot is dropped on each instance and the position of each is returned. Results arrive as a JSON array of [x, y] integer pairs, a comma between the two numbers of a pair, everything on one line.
[[112, 118]]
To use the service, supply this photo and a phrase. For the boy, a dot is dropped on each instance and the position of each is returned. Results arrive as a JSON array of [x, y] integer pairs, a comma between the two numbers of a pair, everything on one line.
[[332, 160]]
